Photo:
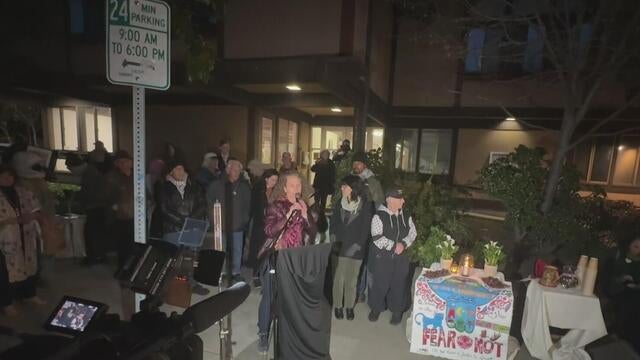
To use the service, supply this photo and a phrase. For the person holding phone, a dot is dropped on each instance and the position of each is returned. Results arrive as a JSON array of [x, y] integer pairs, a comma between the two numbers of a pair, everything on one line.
[[19, 214]]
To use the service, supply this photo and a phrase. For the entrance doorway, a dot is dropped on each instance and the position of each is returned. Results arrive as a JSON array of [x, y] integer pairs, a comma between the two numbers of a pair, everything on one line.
[[331, 137]]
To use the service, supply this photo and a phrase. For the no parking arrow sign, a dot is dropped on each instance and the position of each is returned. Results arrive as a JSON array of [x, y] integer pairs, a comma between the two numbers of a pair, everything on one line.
[[138, 43]]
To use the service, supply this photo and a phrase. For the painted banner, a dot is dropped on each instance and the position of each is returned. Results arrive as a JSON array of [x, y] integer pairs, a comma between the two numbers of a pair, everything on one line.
[[457, 317]]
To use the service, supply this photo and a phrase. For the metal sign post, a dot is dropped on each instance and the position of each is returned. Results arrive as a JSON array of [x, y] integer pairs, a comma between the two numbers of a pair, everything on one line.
[[138, 51], [139, 160]]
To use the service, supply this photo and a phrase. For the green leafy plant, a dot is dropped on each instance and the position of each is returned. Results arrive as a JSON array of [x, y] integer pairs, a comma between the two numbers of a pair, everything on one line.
[[436, 211], [66, 197], [446, 246], [192, 23], [572, 222], [493, 253]]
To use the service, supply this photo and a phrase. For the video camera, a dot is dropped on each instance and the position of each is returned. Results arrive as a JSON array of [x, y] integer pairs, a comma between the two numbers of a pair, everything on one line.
[[94, 334]]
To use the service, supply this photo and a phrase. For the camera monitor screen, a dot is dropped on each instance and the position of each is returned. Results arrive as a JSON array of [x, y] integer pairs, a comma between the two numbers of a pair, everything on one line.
[[74, 315]]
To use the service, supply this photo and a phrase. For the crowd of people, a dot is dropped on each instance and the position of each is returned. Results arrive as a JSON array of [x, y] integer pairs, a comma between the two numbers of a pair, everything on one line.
[[369, 231]]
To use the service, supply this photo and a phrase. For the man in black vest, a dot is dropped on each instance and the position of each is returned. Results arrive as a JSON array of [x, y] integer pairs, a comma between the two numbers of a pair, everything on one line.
[[393, 232]]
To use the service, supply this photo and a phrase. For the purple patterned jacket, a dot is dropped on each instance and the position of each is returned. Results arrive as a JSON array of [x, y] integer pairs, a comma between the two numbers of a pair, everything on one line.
[[294, 236]]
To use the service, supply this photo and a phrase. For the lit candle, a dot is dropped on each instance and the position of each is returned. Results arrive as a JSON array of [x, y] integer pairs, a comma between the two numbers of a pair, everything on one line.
[[467, 264], [454, 268]]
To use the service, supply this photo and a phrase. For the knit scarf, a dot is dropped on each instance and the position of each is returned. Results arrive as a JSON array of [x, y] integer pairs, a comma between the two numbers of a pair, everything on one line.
[[350, 206], [180, 185]]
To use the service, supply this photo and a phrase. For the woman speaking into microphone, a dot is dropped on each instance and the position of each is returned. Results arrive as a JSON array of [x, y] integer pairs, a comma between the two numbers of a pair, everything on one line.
[[289, 210], [288, 222]]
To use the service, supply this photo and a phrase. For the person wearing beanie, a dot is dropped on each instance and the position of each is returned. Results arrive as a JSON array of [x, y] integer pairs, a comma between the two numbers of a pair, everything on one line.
[[350, 224], [374, 188], [234, 194], [375, 198], [181, 198], [393, 233], [209, 171]]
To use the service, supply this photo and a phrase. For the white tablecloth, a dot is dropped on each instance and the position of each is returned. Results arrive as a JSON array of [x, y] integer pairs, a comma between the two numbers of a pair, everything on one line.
[[565, 309]]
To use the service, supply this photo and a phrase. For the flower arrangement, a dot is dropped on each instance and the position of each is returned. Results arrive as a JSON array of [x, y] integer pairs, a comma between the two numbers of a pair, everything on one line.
[[447, 246], [493, 253]]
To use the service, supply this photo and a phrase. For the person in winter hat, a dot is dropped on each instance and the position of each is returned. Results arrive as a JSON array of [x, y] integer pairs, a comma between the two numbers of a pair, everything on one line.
[[393, 232], [350, 224]]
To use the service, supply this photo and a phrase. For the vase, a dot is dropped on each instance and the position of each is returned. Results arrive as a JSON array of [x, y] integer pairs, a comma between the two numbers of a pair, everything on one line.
[[445, 263], [490, 270]]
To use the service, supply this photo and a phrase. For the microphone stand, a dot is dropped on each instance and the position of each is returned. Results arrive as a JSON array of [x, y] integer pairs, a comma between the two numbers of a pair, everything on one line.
[[273, 256]]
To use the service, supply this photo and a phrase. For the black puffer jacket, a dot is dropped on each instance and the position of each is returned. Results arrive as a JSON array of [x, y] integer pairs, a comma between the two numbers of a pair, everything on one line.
[[175, 208], [350, 231]]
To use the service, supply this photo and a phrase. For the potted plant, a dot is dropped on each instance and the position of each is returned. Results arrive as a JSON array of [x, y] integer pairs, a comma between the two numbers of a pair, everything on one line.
[[493, 256], [446, 247]]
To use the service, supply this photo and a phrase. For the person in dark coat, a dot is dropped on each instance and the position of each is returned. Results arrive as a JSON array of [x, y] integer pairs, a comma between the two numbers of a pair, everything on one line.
[[224, 154], [234, 194], [93, 199], [154, 182], [259, 202], [350, 224], [393, 232], [625, 291], [325, 179], [119, 195], [180, 199], [209, 171]]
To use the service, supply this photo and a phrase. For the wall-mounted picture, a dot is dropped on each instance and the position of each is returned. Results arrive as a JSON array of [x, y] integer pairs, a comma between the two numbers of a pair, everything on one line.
[[495, 155]]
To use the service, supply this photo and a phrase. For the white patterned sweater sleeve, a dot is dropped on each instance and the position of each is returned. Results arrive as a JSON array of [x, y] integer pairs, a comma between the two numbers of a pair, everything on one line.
[[379, 240], [408, 240]]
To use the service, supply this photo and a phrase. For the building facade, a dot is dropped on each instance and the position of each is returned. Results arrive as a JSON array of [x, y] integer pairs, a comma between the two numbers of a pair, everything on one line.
[[301, 76]]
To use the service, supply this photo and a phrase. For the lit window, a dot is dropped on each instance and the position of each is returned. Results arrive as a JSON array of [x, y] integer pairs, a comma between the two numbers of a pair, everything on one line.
[[78, 128], [407, 150], [104, 127], [266, 140], [624, 169], [432, 157], [601, 160], [374, 138], [287, 138], [76, 17], [609, 161], [435, 152]]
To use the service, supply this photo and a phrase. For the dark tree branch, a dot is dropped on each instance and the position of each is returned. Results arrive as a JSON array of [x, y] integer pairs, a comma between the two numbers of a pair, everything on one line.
[[615, 133], [604, 121]]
